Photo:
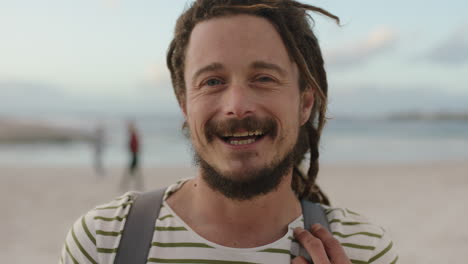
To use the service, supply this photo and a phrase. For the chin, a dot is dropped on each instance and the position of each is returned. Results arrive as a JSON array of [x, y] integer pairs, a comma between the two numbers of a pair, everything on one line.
[[240, 175], [242, 170], [246, 177]]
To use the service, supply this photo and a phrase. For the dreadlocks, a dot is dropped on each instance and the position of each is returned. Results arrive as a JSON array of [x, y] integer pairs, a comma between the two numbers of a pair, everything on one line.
[[293, 23]]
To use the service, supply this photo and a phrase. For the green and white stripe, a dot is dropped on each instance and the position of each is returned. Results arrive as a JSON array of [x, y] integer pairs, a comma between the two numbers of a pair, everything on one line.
[[95, 237]]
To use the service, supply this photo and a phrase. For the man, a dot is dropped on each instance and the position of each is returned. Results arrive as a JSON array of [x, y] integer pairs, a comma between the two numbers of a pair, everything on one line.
[[249, 78], [99, 144], [133, 173]]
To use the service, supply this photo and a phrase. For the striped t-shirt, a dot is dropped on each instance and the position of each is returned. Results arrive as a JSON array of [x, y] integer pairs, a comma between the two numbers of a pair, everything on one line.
[[95, 237]]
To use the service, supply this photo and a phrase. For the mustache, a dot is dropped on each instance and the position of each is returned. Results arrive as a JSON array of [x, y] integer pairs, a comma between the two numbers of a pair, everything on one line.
[[215, 129]]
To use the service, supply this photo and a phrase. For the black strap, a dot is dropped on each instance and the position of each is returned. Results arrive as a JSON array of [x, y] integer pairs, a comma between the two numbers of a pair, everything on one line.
[[313, 213], [139, 227]]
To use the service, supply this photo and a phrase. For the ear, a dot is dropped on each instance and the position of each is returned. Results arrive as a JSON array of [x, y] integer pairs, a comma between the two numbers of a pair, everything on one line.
[[183, 105], [307, 103]]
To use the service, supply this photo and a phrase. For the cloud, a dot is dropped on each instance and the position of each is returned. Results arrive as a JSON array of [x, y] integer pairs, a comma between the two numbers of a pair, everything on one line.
[[156, 88], [376, 42], [28, 89], [24, 96], [381, 98], [157, 74], [451, 51], [112, 4], [156, 82]]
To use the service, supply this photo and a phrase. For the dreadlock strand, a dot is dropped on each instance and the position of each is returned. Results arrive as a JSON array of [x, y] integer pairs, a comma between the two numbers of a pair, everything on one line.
[[316, 10]]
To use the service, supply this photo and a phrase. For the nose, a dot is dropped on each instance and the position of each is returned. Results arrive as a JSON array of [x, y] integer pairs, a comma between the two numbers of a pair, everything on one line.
[[238, 102]]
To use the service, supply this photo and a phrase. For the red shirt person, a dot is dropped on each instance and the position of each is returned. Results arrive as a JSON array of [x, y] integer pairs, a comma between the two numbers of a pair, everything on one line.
[[134, 147], [133, 173]]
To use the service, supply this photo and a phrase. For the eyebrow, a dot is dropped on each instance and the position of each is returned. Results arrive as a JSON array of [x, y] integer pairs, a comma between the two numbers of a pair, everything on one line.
[[268, 66], [215, 66]]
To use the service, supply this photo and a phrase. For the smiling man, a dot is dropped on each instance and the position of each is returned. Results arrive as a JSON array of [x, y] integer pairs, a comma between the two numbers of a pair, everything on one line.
[[243, 105], [250, 81]]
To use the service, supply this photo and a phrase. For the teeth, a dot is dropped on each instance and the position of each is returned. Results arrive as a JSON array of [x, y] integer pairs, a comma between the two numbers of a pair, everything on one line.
[[241, 134], [245, 134], [242, 142]]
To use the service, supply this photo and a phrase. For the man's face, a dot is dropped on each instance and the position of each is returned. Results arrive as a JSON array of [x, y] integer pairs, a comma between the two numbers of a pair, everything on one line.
[[243, 104]]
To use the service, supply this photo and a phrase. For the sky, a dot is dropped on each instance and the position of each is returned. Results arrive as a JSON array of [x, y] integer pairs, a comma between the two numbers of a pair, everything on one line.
[[109, 55]]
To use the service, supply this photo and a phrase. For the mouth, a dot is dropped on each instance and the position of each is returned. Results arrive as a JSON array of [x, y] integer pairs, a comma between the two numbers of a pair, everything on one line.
[[243, 138]]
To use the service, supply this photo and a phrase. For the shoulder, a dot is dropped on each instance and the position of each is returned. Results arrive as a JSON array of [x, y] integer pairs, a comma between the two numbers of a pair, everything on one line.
[[95, 237], [363, 241]]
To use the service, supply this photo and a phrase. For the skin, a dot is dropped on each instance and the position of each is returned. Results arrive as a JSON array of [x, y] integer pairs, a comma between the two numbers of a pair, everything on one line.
[[242, 89], [321, 246], [238, 66]]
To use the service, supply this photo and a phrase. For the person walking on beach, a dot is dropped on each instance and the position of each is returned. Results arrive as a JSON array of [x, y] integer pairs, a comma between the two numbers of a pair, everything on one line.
[[98, 143], [133, 173], [250, 81]]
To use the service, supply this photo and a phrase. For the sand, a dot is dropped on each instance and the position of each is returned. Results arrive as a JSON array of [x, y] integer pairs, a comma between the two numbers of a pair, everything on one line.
[[422, 205]]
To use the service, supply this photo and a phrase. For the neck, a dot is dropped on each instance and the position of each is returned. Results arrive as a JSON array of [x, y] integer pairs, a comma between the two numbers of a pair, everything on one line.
[[247, 223], [210, 201]]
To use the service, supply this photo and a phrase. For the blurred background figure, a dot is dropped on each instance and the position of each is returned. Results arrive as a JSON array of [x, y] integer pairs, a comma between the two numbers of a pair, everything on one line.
[[99, 145], [133, 173]]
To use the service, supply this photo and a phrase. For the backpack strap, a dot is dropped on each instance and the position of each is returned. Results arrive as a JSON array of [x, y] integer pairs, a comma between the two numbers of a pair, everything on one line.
[[313, 213], [139, 227]]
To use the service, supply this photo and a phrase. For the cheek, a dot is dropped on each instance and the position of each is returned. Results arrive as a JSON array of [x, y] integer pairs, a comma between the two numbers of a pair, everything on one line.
[[289, 112], [199, 113], [195, 129]]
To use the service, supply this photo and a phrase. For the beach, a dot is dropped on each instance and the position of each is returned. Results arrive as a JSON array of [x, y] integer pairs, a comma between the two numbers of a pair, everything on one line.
[[422, 204]]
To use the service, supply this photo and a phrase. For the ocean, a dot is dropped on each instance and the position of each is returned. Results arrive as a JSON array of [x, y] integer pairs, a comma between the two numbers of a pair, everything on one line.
[[349, 140]]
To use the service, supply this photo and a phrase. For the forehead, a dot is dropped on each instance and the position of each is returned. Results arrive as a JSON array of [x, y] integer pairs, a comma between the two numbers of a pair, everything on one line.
[[235, 40]]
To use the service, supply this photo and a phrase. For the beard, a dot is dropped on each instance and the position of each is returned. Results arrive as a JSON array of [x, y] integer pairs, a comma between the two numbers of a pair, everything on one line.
[[246, 184], [253, 183]]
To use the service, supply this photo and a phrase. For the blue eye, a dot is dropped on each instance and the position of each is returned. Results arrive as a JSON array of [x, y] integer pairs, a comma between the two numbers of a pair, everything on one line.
[[213, 82]]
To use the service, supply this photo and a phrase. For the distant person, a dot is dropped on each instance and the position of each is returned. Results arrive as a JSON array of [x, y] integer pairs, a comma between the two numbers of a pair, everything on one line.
[[99, 144], [250, 80], [133, 173]]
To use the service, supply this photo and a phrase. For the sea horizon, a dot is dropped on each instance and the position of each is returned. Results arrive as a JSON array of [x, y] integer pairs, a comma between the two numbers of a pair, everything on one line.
[[346, 139]]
